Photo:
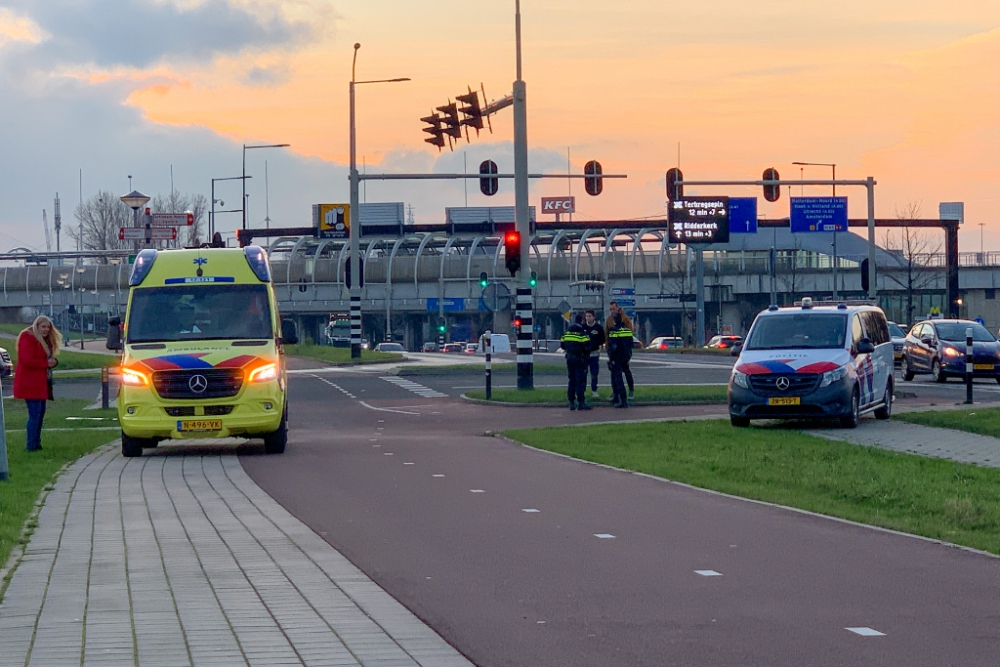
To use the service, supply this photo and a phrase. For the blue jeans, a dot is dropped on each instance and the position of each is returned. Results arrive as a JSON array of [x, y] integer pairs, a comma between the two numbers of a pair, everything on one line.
[[595, 367], [36, 413]]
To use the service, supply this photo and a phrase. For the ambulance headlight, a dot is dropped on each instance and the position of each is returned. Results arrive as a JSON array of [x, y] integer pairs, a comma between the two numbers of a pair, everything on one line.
[[836, 375]]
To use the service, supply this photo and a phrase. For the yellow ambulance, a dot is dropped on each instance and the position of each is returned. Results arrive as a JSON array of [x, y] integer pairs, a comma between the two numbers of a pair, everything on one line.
[[202, 349]]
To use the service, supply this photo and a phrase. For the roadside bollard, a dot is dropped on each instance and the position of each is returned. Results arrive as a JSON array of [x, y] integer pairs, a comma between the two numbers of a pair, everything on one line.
[[969, 366], [4, 468], [105, 373], [488, 346]]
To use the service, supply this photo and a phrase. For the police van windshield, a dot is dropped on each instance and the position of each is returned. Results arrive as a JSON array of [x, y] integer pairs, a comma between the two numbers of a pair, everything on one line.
[[198, 312], [798, 331]]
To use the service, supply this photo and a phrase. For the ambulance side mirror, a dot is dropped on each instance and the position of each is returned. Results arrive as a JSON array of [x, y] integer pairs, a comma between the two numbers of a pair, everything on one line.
[[114, 341], [289, 332]]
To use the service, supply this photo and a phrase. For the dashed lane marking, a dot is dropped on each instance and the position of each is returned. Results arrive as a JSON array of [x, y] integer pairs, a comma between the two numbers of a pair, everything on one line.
[[476, 491], [866, 632], [604, 536], [531, 511], [708, 573], [336, 386], [409, 385]]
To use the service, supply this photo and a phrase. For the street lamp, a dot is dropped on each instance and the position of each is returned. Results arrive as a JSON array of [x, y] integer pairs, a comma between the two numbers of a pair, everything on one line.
[[244, 176], [834, 167], [211, 217], [355, 218], [134, 200]]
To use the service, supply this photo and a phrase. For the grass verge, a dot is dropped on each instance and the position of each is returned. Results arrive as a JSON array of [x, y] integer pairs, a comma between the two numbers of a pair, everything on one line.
[[339, 355], [31, 472], [984, 421], [550, 396], [936, 498]]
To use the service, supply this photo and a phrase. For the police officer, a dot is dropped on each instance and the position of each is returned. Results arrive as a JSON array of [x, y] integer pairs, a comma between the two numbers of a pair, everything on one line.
[[577, 346], [619, 354], [627, 322], [595, 332]]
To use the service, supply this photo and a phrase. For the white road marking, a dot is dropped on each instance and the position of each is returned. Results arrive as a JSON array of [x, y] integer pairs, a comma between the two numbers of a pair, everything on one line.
[[409, 463], [400, 412], [866, 632], [387, 454], [531, 511], [477, 491], [437, 475], [708, 573], [604, 536], [409, 385]]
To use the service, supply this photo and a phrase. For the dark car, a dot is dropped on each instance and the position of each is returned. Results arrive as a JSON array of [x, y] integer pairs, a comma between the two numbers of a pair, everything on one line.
[[937, 347], [724, 342], [898, 340], [6, 367]]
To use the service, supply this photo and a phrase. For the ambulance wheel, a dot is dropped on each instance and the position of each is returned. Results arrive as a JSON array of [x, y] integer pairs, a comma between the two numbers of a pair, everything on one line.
[[274, 443], [133, 446], [851, 419]]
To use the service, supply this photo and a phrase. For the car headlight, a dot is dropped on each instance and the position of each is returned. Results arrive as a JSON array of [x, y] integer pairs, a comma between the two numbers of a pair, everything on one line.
[[950, 352], [740, 379], [836, 375]]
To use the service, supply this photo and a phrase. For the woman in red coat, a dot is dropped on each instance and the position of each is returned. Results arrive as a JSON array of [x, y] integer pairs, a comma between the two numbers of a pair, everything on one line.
[[37, 349]]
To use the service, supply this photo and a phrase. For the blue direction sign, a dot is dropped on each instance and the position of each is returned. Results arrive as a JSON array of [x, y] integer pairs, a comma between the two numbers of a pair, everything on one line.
[[819, 214], [742, 215], [450, 305], [622, 291]]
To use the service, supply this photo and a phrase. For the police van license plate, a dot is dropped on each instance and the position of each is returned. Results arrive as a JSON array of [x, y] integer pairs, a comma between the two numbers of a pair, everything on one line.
[[982, 367], [199, 425], [783, 400]]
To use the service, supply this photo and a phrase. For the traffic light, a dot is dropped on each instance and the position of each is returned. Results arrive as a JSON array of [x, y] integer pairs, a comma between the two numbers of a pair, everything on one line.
[[488, 186], [533, 279], [517, 323], [472, 111], [437, 134], [865, 282], [452, 125], [512, 252], [771, 192], [674, 191], [484, 280], [593, 185], [442, 325]]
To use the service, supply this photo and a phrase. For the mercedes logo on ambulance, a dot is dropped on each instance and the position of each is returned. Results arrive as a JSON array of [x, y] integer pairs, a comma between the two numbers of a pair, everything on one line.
[[781, 383], [198, 383]]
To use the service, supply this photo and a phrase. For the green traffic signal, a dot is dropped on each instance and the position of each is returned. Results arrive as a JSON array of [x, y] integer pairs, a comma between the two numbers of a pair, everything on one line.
[[484, 280], [533, 280]]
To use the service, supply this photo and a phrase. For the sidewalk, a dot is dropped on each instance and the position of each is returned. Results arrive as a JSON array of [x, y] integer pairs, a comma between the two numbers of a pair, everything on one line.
[[183, 560], [923, 440]]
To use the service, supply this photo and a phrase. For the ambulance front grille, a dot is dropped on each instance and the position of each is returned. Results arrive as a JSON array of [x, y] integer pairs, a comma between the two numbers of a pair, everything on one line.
[[217, 383]]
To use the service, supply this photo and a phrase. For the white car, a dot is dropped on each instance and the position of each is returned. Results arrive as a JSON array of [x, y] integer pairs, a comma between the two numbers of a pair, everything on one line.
[[389, 347]]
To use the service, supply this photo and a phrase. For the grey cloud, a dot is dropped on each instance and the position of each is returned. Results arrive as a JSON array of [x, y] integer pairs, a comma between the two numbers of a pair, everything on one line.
[[268, 77], [140, 33]]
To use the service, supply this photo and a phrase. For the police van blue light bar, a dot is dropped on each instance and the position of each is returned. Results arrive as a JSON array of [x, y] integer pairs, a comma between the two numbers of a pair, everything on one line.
[[257, 259], [143, 263]]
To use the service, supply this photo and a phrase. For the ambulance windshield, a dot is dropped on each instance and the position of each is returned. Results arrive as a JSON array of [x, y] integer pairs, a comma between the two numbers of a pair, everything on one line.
[[198, 312]]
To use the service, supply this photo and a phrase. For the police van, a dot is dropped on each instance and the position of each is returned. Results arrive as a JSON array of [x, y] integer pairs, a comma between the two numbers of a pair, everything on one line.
[[202, 349], [809, 361]]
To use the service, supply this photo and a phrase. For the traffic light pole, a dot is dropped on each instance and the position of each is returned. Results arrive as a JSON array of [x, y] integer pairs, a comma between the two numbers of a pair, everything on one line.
[[525, 297], [354, 232]]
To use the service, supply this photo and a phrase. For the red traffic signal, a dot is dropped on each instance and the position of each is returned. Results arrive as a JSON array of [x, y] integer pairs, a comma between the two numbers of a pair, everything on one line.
[[472, 111], [488, 186], [674, 191], [512, 252], [452, 125], [437, 134], [593, 184], [771, 191]]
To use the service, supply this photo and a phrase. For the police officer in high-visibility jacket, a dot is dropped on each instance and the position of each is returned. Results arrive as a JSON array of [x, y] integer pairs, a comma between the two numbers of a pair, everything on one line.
[[619, 354], [576, 343]]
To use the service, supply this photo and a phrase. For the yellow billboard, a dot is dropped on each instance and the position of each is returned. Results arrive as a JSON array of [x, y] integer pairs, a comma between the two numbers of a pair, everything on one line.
[[332, 220]]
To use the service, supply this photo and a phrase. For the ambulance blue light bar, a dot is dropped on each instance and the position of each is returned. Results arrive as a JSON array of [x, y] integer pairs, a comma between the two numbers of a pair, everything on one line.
[[257, 259], [143, 263]]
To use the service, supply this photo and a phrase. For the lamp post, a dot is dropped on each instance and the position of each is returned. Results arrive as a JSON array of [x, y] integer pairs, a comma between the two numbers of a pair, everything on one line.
[[82, 289], [354, 221], [244, 176], [211, 217], [134, 200], [834, 167]]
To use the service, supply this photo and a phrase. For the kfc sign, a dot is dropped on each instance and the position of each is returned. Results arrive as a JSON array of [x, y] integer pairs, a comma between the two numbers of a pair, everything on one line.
[[553, 205]]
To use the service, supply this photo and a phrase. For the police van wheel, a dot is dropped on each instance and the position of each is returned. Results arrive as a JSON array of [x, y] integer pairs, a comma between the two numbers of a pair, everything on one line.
[[274, 443], [886, 410], [851, 419], [739, 422], [133, 446]]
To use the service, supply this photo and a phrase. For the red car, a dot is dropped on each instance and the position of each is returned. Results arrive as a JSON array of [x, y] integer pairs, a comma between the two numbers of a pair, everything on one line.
[[725, 342]]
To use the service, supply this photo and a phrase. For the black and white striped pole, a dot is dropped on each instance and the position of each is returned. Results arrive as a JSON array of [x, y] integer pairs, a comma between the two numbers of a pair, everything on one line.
[[525, 367], [525, 329], [969, 365], [488, 348], [355, 325]]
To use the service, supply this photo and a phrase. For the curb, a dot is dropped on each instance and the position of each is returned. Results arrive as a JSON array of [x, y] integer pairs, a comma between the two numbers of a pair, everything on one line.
[[641, 404]]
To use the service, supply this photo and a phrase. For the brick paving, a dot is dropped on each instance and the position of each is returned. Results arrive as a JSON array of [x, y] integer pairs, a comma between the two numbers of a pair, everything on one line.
[[183, 560]]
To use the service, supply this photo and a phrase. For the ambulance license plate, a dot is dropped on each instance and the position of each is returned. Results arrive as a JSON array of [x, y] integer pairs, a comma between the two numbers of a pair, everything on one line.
[[199, 425], [982, 367], [783, 400]]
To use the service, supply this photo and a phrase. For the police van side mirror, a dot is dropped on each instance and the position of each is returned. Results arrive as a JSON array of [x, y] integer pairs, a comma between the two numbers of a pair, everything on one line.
[[114, 341], [289, 333], [737, 349], [865, 346]]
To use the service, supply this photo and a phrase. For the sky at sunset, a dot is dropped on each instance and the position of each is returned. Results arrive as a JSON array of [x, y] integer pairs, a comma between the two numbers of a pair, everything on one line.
[[905, 91]]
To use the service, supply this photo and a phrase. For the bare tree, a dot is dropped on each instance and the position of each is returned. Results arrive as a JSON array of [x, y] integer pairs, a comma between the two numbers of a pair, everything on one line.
[[789, 277], [99, 218], [914, 250], [176, 202]]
